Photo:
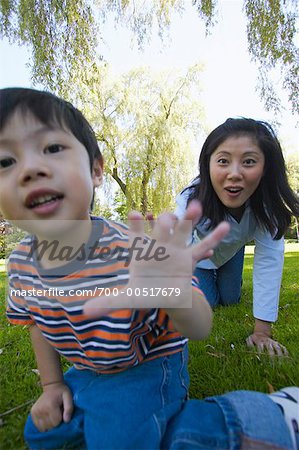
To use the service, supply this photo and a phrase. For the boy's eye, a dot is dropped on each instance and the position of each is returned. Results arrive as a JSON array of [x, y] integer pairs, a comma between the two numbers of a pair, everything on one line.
[[6, 162], [54, 148]]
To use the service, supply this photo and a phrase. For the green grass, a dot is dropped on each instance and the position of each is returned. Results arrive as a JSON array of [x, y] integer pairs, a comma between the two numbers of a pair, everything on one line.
[[219, 364], [223, 362]]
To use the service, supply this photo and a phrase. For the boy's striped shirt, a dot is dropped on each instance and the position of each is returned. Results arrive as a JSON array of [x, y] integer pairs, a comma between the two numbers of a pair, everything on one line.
[[114, 342]]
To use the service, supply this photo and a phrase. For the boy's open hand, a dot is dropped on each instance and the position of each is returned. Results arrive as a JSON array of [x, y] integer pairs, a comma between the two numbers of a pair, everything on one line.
[[53, 406], [160, 267]]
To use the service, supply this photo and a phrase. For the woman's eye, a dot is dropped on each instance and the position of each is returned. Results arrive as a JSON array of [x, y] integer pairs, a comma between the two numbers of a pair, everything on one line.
[[249, 162], [55, 148], [6, 162], [222, 161]]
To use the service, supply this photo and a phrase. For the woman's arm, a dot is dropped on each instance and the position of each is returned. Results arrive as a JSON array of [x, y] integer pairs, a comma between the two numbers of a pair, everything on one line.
[[267, 274]]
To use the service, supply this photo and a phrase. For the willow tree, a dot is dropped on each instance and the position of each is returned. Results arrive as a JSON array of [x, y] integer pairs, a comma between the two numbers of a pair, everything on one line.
[[271, 33], [64, 34], [292, 165], [146, 124]]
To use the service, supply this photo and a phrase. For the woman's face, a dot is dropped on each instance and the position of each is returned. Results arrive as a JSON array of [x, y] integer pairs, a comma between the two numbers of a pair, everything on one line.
[[236, 169]]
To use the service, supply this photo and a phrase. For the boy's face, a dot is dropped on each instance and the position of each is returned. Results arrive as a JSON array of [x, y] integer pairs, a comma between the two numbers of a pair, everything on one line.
[[44, 172]]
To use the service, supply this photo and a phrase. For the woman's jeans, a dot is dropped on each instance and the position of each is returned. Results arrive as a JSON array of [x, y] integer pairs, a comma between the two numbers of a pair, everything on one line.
[[223, 286], [146, 408]]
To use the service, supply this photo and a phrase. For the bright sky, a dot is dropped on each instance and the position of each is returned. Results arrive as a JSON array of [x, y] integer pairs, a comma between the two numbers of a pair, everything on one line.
[[229, 78]]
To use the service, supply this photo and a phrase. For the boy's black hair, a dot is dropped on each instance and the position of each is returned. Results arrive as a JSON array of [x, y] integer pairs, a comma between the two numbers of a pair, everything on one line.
[[49, 110], [273, 202]]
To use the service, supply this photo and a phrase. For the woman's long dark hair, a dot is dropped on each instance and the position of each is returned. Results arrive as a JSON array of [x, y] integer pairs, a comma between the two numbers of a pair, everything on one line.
[[273, 203]]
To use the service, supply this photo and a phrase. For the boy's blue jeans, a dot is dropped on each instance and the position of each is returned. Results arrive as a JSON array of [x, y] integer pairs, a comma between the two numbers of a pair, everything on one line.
[[223, 286], [146, 408]]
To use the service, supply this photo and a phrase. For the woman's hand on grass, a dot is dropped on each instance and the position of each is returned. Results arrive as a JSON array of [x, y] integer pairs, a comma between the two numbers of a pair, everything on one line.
[[261, 338], [53, 406], [264, 343]]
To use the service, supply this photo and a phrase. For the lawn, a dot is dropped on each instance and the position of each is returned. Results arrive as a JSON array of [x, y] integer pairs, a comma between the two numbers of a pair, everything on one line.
[[219, 364]]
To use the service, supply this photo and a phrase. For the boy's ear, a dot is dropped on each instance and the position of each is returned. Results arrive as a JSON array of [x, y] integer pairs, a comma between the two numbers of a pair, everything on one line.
[[97, 172]]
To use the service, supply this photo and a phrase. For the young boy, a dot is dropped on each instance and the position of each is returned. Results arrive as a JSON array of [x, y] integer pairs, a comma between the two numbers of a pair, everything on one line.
[[129, 382]]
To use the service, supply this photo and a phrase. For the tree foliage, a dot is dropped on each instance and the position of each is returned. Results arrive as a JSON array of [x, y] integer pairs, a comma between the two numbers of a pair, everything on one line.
[[65, 34], [292, 165], [62, 35], [271, 32], [146, 124]]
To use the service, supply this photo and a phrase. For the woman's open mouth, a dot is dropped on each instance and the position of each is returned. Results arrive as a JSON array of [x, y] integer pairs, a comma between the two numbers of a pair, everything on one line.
[[233, 191]]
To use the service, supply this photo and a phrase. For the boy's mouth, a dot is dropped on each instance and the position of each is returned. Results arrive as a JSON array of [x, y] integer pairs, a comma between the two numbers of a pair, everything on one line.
[[42, 197]]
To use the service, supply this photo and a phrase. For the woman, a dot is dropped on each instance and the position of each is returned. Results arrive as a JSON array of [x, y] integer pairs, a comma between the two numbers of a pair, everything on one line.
[[243, 180]]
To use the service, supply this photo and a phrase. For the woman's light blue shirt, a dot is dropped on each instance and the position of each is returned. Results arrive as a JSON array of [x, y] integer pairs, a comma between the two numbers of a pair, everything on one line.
[[268, 256]]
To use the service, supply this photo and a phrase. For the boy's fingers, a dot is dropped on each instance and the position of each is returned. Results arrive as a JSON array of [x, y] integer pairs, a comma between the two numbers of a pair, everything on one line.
[[150, 219], [136, 222], [193, 212], [210, 242], [184, 227], [183, 231], [149, 223], [68, 406], [136, 228], [38, 423], [164, 227], [55, 417]]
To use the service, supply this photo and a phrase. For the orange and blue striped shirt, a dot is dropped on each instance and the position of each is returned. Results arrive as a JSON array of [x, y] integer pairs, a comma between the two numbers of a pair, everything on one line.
[[111, 343]]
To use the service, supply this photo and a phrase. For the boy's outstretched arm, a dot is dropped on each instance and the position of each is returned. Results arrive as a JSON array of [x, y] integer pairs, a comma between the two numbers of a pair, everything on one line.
[[196, 322], [165, 273], [56, 403]]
